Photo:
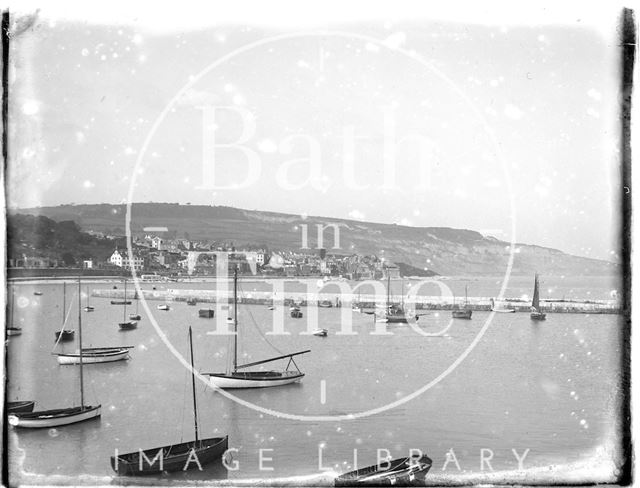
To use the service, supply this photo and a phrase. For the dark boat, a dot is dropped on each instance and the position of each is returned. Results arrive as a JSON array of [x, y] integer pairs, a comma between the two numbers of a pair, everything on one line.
[[206, 313], [401, 472], [37, 293], [394, 313], [464, 312], [20, 406], [129, 325], [176, 457], [295, 312], [65, 335], [192, 301], [120, 302], [536, 313]]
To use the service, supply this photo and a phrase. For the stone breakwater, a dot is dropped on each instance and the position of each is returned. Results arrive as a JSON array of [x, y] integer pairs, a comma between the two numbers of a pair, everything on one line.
[[363, 301]]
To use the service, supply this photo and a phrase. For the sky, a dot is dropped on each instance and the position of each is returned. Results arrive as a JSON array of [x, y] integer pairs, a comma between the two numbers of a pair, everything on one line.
[[489, 118]]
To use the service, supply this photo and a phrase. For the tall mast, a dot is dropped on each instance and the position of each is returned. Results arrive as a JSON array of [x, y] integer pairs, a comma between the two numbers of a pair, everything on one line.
[[124, 307], [193, 387], [13, 304], [466, 298], [64, 300], [235, 320], [388, 287], [80, 337]]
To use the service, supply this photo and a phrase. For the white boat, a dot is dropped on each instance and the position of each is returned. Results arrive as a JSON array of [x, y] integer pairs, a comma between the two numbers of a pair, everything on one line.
[[320, 332], [61, 416], [254, 379], [95, 355], [164, 306]]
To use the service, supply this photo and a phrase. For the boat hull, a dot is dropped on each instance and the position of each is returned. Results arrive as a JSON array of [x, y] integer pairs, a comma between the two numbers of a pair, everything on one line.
[[461, 314], [95, 357], [20, 406], [402, 472], [128, 325], [506, 310], [14, 331], [257, 379], [135, 316], [178, 457], [89, 309], [320, 332], [538, 316], [54, 418]]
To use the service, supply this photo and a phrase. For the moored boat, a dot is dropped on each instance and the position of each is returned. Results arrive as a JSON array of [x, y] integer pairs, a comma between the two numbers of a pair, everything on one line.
[[254, 379], [164, 307], [536, 313], [464, 312], [192, 301], [176, 457], [14, 331], [401, 472], [61, 416], [95, 355], [500, 310], [320, 332], [128, 325], [206, 313], [37, 293]]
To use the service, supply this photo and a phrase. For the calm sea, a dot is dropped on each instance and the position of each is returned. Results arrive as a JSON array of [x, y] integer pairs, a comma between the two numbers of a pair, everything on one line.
[[552, 388]]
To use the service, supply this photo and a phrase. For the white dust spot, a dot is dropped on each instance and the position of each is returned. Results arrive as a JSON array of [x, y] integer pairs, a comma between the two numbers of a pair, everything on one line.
[[356, 214], [395, 40], [513, 112], [595, 94], [30, 107], [267, 146]]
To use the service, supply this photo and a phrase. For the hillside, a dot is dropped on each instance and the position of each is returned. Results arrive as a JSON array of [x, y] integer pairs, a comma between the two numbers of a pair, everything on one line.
[[443, 250]]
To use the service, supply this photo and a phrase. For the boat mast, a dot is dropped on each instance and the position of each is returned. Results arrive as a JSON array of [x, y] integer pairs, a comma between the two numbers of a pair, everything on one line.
[[64, 300], [80, 338], [466, 298], [124, 306], [193, 387], [13, 304], [235, 320], [388, 288]]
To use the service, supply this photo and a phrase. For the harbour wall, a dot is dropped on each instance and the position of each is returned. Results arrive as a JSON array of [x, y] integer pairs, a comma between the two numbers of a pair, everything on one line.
[[420, 302]]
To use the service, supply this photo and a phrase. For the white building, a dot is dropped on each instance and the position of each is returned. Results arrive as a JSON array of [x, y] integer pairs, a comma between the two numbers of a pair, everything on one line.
[[122, 261]]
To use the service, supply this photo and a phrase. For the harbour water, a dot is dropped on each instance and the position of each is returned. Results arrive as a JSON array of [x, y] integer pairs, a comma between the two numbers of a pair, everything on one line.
[[553, 388]]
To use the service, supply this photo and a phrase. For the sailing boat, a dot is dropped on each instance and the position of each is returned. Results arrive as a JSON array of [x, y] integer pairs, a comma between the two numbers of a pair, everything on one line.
[[60, 416], [253, 379], [536, 314], [11, 329], [393, 313], [88, 308], [135, 316], [65, 335], [465, 312], [126, 324], [176, 457]]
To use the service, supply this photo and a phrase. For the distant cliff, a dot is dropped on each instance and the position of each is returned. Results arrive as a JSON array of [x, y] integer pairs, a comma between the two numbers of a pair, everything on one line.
[[443, 250]]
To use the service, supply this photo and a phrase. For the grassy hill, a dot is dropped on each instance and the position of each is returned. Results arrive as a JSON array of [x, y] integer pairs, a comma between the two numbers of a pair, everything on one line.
[[443, 250]]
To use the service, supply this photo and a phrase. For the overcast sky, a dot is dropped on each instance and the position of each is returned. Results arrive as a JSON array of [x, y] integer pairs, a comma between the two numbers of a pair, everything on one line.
[[480, 119]]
